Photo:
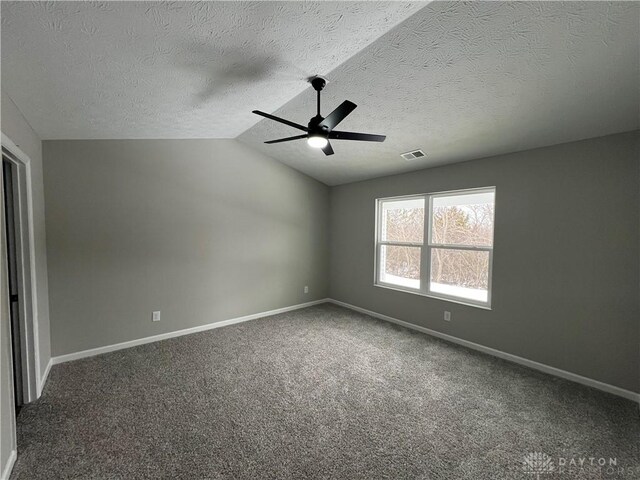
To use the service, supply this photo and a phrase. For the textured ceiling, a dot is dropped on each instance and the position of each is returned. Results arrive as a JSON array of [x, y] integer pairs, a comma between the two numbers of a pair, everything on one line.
[[458, 80], [82, 70], [468, 80]]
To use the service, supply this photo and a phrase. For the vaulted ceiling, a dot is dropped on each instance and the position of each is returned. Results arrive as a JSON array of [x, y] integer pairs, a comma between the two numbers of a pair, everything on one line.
[[86, 70], [468, 80], [458, 80]]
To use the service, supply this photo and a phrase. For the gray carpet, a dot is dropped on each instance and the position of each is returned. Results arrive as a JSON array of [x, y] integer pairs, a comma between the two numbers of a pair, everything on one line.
[[322, 392]]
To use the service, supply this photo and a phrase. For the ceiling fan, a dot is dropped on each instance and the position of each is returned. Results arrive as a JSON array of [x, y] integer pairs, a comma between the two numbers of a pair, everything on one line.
[[321, 129]]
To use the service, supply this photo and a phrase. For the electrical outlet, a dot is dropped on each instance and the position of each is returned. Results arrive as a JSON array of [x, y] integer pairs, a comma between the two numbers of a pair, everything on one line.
[[306, 289], [156, 316], [447, 316]]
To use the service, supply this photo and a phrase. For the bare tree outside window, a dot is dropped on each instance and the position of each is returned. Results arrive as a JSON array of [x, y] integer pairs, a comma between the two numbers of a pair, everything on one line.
[[470, 225], [402, 224]]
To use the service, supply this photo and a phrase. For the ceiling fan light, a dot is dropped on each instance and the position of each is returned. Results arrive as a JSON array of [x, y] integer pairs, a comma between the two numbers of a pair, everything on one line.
[[317, 141]]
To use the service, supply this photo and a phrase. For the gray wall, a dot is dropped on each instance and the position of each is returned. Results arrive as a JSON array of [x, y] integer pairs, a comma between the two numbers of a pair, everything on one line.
[[565, 271], [13, 124], [203, 230]]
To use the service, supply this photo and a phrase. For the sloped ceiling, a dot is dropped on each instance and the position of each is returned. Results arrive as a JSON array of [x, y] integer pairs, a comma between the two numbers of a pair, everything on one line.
[[459, 80], [83, 70], [469, 80]]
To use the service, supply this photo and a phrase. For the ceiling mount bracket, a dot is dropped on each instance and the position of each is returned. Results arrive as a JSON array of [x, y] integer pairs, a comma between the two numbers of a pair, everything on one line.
[[318, 82]]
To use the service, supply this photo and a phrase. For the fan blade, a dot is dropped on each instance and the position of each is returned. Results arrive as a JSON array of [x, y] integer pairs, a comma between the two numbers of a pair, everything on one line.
[[339, 114], [288, 139], [327, 149], [281, 120], [364, 137]]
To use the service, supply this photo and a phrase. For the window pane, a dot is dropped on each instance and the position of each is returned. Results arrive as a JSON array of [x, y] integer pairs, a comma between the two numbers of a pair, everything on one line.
[[400, 265], [465, 219], [402, 220], [460, 273]]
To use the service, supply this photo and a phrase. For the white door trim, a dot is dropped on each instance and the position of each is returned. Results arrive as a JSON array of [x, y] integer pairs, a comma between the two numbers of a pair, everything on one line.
[[27, 268]]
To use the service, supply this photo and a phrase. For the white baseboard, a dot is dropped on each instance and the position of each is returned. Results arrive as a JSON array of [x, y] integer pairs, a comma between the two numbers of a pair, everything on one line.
[[6, 471], [621, 392], [574, 377], [178, 333], [43, 378]]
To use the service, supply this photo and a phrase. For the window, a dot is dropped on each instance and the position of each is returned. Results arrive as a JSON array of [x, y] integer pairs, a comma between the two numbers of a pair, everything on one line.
[[401, 241], [454, 263]]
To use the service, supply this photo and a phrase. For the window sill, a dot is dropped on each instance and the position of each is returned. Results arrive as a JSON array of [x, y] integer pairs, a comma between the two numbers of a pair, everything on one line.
[[431, 295]]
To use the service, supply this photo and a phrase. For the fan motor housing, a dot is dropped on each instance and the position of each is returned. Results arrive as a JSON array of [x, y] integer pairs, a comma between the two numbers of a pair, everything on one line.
[[315, 129]]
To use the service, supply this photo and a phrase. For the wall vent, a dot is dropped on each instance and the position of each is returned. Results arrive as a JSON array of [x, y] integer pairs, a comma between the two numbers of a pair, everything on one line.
[[413, 155]]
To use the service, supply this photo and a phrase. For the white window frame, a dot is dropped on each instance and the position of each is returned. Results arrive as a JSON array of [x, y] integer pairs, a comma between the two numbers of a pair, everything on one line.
[[380, 243], [427, 246]]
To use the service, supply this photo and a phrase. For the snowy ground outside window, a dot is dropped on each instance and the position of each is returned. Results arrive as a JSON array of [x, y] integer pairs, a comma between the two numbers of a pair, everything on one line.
[[474, 294]]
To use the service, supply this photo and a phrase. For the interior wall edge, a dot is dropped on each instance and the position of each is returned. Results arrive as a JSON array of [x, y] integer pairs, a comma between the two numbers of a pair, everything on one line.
[[45, 377], [8, 467]]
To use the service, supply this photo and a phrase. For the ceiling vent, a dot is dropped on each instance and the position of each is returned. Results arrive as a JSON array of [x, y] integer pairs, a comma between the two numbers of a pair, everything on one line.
[[413, 155]]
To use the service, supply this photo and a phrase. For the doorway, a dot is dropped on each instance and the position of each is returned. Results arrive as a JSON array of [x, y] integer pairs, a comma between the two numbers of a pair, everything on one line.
[[10, 216], [20, 274]]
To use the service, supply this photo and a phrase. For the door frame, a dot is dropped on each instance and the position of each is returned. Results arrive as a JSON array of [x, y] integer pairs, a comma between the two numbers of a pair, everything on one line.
[[25, 242]]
